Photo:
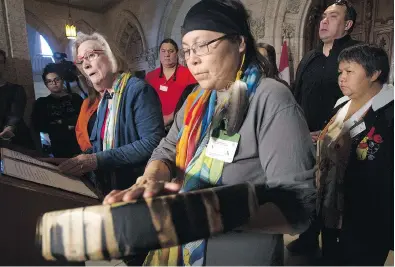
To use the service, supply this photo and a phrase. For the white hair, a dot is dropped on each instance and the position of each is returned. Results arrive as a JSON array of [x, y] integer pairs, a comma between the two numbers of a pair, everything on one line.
[[118, 64]]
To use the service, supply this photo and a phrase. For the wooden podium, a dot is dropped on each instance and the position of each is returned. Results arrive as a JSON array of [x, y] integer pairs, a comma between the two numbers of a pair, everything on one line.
[[21, 204]]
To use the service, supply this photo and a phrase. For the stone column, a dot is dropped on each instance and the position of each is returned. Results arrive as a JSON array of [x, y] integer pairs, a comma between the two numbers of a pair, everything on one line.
[[13, 40]]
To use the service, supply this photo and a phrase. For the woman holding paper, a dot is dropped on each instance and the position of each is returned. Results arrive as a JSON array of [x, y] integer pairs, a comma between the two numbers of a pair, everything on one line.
[[238, 126], [355, 158], [129, 122]]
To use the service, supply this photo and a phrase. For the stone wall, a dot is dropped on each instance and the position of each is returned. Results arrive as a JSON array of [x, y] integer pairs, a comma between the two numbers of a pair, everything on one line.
[[13, 40]]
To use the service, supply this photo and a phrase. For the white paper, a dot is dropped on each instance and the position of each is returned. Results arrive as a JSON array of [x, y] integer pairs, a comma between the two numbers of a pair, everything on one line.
[[17, 155], [223, 150], [43, 176]]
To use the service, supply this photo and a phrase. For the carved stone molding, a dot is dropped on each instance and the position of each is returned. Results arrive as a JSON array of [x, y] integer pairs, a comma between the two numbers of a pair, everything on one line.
[[293, 6], [258, 27], [151, 55], [368, 18], [288, 30], [129, 36]]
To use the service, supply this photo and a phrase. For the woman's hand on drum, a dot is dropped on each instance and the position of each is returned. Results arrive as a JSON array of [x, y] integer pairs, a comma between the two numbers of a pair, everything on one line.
[[146, 187]]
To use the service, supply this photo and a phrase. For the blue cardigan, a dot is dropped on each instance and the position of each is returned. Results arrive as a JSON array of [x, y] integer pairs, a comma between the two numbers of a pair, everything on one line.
[[138, 131]]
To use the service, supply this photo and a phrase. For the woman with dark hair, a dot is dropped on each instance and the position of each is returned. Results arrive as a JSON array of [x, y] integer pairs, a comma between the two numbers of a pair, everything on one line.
[[170, 79], [355, 163], [57, 114], [237, 126], [268, 51]]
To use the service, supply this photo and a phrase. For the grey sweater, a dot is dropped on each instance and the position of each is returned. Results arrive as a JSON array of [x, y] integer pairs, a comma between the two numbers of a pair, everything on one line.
[[275, 148]]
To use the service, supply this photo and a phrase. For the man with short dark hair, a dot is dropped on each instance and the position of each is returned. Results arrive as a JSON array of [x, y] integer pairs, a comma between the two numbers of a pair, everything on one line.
[[316, 88], [12, 107]]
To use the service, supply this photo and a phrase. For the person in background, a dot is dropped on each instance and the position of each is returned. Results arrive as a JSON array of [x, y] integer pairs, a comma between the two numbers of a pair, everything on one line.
[[169, 80], [57, 114], [268, 52], [355, 163], [316, 88], [87, 117], [129, 123], [220, 52], [13, 129]]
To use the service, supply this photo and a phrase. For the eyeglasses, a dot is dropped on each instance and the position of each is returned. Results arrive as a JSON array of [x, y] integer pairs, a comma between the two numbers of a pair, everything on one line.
[[54, 81], [200, 48], [89, 56]]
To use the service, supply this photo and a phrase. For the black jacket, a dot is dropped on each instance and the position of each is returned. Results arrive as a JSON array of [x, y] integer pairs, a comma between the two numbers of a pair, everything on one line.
[[369, 184], [316, 89], [345, 42]]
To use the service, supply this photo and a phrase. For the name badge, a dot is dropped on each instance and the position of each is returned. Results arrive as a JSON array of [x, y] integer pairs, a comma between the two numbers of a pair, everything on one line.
[[163, 88], [357, 129], [223, 147]]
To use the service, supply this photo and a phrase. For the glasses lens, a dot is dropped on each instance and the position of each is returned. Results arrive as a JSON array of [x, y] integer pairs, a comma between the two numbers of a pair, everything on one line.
[[201, 49], [55, 80], [91, 56]]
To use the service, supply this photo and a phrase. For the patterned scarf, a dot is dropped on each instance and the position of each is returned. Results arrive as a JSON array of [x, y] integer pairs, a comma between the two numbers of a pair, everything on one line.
[[109, 132], [333, 152], [198, 170]]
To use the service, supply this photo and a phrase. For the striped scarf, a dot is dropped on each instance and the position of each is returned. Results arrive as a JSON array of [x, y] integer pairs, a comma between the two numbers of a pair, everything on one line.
[[109, 132], [198, 170]]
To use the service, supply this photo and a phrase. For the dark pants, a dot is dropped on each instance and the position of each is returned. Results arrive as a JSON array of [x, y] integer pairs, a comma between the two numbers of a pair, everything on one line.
[[310, 236], [340, 247]]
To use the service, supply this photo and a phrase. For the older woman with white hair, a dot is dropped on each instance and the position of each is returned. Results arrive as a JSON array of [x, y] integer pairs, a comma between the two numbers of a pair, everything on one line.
[[129, 122]]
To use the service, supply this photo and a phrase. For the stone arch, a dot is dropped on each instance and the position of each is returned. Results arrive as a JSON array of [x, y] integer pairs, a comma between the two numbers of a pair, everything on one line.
[[130, 40], [126, 17], [303, 23], [286, 21], [45, 31], [295, 19], [168, 18]]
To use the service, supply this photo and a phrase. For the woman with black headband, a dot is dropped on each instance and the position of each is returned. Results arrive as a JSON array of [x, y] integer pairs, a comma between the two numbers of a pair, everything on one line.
[[237, 126], [170, 79]]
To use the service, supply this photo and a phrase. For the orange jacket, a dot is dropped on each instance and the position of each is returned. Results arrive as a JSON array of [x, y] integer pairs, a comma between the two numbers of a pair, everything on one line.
[[81, 128]]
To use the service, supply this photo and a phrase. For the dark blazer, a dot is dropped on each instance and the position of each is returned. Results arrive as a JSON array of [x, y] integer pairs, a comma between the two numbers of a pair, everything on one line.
[[368, 222], [139, 129]]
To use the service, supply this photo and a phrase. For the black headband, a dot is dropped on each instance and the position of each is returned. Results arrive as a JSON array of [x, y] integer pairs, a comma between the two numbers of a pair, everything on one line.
[[212, 15]]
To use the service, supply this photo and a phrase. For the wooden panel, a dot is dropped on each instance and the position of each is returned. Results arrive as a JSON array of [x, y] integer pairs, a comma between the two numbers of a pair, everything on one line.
[[21, 204]]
